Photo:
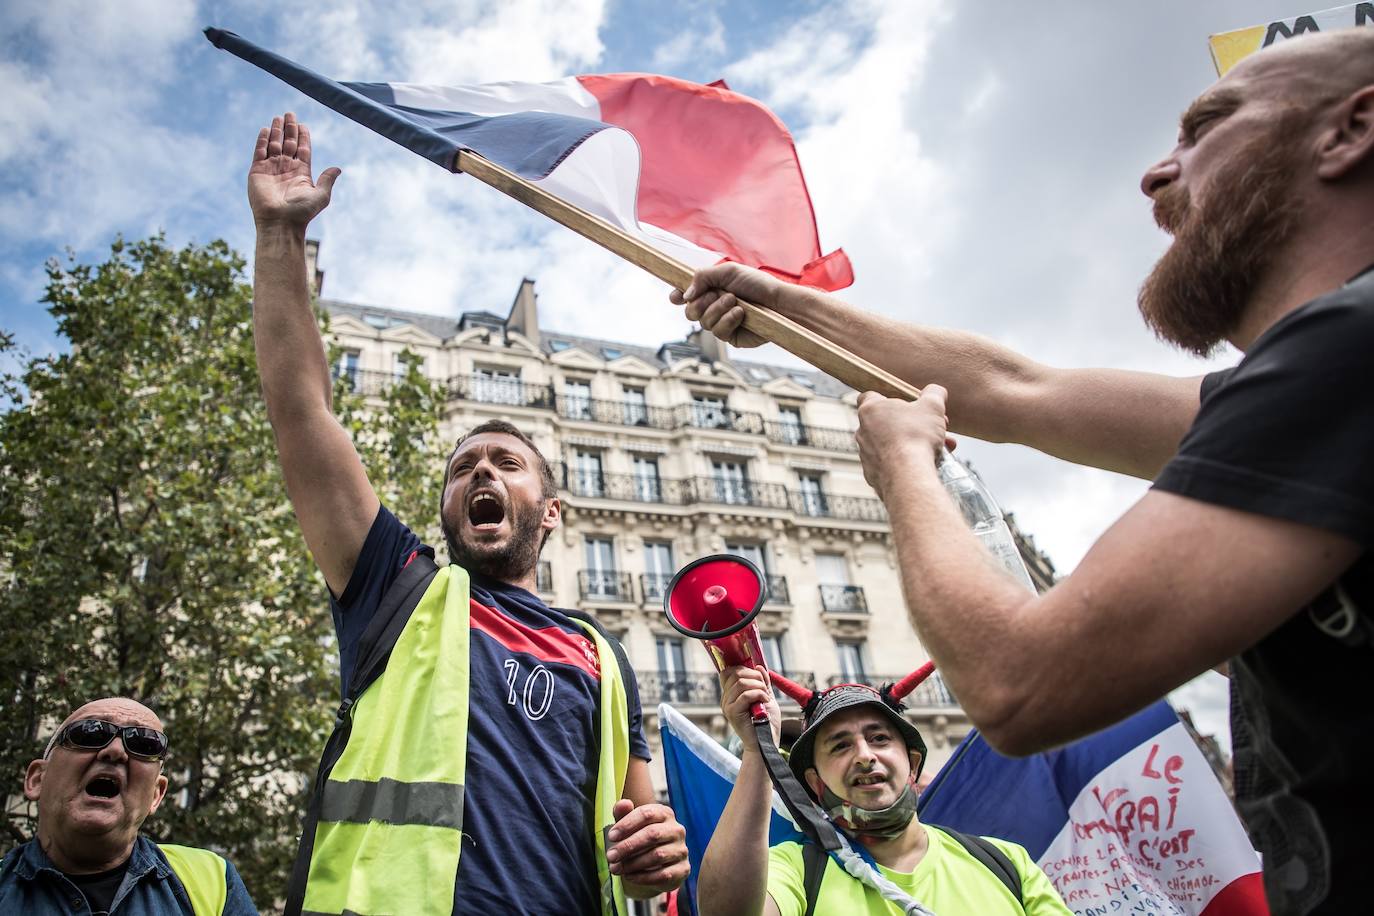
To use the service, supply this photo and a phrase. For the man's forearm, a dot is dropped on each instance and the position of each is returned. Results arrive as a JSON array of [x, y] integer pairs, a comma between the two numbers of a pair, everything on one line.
[[291, 354], [734, 871], [1129, 422], [964, 607]]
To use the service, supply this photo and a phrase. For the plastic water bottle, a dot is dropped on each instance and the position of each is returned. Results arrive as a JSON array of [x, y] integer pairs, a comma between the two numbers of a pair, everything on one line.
[[983, 516]]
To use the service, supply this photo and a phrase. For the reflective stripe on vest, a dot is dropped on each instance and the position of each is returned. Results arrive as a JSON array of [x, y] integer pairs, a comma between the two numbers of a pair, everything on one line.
[[390, 830], [203, 874]]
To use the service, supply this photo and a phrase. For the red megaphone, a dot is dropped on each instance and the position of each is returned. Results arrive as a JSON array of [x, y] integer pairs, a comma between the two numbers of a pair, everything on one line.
[[715, 599]]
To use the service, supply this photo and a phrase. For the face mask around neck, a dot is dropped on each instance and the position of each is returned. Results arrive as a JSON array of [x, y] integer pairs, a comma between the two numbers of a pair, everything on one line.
[[884, 823]]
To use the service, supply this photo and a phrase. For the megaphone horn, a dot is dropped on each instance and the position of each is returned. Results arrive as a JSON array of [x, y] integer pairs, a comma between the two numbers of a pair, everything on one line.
[[707, 600]]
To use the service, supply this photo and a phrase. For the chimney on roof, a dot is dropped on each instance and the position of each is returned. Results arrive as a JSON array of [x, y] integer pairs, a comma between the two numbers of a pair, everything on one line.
[[524, 312], [312, 266], [713, 349]]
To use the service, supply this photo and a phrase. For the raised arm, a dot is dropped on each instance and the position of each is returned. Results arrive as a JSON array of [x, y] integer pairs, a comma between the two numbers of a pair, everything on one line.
[[328, 487], [734, 870], [1129, 422]]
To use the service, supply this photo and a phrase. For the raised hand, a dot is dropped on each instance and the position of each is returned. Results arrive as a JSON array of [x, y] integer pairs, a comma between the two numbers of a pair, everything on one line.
[[280, 190], [740, 688]]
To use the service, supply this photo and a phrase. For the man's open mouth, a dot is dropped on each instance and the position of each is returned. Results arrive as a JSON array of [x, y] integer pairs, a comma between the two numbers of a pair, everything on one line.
[[485, 510], [869, 779], [103, 787]]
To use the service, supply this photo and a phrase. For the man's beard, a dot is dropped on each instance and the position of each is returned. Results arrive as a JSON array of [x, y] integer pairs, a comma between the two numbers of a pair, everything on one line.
[[513, 560], [1197, 294]]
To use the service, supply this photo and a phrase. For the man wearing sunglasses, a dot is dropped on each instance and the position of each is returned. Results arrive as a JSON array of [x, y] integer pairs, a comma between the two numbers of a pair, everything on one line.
[[99, 778]]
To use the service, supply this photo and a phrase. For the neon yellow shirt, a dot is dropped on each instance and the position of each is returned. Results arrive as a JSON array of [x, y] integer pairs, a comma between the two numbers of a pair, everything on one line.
[[948, 881]]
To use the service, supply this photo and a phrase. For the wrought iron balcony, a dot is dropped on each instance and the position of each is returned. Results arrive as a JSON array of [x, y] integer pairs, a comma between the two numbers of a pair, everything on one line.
[[835, 440], [618, 413], [688, 689], [653, 586], [824, 505], [639, 488], [709, 416], [932, 693], [487, 389], [604, 585], [843, 599], [734, 492], [777, 590], [544, 577]]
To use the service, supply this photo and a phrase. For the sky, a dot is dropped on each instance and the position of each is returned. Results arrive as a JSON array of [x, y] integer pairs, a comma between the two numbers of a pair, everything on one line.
[[978, 161]]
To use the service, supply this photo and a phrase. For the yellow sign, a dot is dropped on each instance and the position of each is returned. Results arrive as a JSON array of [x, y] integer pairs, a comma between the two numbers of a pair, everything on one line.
[[1229, 48]]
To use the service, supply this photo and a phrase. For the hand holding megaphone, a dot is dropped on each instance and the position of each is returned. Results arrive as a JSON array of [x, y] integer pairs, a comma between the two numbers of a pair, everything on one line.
[[743, 691]]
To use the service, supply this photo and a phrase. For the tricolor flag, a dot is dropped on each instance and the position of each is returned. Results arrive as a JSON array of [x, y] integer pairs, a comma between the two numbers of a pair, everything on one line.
[[1130, 819], [701, 775], [699, 172]]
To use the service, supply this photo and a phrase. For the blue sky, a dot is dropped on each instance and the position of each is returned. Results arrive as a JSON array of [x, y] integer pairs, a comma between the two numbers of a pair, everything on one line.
[[978, 161]]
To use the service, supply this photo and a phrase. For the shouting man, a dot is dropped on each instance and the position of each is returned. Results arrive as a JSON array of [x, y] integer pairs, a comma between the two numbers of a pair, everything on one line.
[[498, 763]]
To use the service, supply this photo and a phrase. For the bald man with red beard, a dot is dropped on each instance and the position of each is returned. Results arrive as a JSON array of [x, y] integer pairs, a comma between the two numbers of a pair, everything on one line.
[[100, 777], [1253, 544]]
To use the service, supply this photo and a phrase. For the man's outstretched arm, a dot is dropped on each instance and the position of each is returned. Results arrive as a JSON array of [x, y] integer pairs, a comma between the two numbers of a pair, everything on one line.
[[1174, 587], [1130, 422], [329, 489]]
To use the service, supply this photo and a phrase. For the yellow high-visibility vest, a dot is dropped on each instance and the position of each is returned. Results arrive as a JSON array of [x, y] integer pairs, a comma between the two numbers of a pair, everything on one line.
[[391, 816], [202, 873]]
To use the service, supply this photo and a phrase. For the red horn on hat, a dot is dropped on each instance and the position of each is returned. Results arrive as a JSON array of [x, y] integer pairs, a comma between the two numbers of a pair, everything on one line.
[[794, 690], [911, 681]]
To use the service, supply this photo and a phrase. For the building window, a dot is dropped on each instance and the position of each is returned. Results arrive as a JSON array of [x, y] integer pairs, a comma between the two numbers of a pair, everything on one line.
[[587, 477], [611, 353], [731, 482], [558, 346], [831, 569], [754, 553], [658, 569], [495, 385], [790, 425], [636, 407], [672, 670], [398, 364], [646, 482], [348, 368], [772, 653], [577, 399], [812, 495], [851, 656], [603, 581], [708, 412]]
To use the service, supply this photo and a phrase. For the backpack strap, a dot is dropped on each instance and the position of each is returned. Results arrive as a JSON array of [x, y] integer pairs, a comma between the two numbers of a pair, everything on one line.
[[992, 858], [374, 650], [814, 861]]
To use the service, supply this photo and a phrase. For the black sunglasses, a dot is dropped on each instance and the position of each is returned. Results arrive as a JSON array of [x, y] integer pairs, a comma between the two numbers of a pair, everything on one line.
[[95, 734]]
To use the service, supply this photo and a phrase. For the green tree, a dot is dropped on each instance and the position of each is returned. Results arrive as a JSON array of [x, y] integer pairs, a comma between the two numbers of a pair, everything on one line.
[[147, 547]]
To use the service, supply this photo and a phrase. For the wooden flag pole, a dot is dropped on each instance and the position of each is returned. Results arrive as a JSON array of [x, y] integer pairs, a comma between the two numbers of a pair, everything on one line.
[[830, 358]]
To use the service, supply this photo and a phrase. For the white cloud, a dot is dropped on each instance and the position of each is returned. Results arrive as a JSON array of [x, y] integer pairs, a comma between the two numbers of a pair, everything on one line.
[[696, 39]]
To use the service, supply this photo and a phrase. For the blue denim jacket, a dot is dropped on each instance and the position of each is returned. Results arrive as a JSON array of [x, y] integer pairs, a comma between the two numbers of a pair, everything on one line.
[[31, 884]]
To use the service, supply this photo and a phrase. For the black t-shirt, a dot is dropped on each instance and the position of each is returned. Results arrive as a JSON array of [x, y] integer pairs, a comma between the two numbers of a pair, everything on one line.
[[1289, 433], [101, 887]]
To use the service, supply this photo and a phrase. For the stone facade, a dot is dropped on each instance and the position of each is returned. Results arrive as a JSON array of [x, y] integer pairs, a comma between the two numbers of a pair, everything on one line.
[[667, 454]]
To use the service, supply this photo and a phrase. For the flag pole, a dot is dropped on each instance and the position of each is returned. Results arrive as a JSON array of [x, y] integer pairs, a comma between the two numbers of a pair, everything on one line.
[[854, 371]]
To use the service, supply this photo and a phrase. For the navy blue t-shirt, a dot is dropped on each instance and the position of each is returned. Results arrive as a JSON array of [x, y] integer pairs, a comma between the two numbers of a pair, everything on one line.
[[532, 736]]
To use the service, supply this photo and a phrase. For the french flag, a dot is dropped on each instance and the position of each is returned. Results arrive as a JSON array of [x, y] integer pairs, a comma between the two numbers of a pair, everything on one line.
[[1130, 819], [699, 172]]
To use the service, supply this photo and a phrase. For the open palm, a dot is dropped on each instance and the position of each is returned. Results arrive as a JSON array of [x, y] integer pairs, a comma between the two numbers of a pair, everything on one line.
[[279, 185]]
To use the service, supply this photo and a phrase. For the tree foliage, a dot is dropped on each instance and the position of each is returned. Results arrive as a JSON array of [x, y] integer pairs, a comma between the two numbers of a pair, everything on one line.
[[147, 547]]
